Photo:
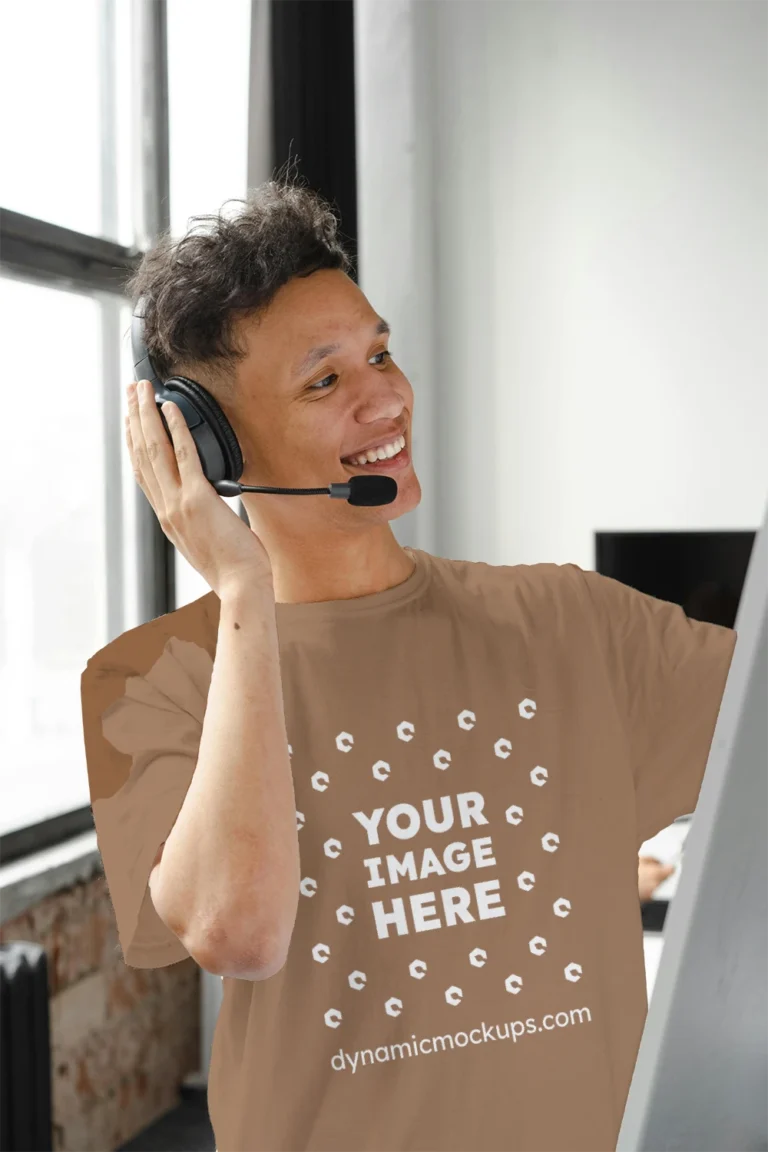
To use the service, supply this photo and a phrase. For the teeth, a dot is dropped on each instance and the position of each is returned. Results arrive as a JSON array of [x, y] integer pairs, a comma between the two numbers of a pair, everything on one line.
[[385, 452]]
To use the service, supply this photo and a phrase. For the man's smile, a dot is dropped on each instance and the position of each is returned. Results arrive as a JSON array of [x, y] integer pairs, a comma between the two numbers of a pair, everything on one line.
[[384, 450], [399, 458]]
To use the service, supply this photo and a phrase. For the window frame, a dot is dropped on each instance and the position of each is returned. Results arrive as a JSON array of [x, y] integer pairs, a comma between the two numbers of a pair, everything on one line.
[[318, 125]]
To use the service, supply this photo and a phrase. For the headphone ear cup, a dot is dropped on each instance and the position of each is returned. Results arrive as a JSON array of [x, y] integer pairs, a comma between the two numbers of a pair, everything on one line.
[[217, 446]]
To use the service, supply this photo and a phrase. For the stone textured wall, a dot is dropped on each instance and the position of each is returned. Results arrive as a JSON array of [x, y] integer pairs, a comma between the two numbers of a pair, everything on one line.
[[122, 1039]]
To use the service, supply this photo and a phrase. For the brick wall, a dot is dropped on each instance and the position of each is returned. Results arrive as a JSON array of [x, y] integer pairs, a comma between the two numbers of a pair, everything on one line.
[[122, 1039]]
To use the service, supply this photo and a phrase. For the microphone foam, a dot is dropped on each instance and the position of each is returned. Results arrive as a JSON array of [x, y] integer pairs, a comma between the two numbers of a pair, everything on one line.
[[368, 491]]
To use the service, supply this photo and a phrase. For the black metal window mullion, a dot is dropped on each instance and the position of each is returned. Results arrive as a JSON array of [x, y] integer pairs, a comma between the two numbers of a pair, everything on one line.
[[48, 253]]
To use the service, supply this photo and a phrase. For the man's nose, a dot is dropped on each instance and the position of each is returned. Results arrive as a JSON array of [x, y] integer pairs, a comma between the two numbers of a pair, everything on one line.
[[380, 400]]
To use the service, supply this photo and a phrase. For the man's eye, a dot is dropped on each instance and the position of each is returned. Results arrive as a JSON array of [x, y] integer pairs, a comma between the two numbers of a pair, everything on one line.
[[321, 385]]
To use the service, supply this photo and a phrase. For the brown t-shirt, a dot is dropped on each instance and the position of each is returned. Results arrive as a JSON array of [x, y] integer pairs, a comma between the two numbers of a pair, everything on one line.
[[478, 754]]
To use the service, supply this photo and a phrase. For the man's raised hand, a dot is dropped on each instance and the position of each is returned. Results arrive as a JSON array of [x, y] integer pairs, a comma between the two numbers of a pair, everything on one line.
[[208, 533]]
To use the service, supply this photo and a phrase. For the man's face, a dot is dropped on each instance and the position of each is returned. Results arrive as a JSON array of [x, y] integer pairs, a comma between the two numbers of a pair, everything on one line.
[[302, 409]]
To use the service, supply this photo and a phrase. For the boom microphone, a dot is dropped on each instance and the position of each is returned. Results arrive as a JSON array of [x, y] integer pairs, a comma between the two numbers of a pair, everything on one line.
[[364, 491]]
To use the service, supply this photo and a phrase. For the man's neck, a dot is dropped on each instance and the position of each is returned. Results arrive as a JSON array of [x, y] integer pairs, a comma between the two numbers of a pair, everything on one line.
[[337, 569]]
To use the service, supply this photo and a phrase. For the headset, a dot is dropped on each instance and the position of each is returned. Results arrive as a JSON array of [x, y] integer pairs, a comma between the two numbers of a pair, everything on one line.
[[220, 456]]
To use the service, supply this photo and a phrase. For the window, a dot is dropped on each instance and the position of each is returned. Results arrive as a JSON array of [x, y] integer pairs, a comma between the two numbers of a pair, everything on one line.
[[81, 560], [62, 541], [89, 161], [207, 106], [208, 140], [66, 133]]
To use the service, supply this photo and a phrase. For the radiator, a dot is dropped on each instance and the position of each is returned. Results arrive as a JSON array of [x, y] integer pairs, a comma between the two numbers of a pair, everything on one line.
[[25, 1049]]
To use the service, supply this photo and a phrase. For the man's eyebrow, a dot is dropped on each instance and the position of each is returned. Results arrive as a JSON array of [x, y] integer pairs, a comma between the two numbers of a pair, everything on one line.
[[315, 355]]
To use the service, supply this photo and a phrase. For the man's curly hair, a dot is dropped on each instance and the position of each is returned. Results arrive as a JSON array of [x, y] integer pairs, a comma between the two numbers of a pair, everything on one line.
[[228, 267]]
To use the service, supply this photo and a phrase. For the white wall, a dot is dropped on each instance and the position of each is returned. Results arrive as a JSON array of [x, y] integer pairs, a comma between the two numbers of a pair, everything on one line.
[[395, 236], [594, 352]]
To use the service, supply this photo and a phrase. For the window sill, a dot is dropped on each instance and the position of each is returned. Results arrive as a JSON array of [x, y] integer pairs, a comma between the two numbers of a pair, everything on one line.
[[26, 882]]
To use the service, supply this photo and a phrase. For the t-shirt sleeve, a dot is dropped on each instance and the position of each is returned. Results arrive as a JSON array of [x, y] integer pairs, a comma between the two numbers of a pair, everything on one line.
[[142, 732], [668, 674]]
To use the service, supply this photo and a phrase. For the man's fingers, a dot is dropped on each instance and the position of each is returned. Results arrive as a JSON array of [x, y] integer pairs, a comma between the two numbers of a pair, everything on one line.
[[166, 465], [187, 457], [159, 451], [142, 468], [160, 447]]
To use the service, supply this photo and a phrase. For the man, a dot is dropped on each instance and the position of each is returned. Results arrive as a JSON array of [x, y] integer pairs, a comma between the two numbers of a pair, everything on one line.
[[650, 873], [394, 800]]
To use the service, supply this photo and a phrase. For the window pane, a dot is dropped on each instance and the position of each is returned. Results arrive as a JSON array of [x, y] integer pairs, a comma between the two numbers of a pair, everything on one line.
[[52, 528], [65, 94], [217, 113], [208, 122]]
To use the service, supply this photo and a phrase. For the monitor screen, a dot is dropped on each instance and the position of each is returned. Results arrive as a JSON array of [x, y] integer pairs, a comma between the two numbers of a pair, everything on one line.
[[703, 572]]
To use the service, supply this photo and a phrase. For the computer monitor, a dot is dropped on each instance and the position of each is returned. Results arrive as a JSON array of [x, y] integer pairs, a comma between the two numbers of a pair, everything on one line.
[[702, 571], [701, 1076]]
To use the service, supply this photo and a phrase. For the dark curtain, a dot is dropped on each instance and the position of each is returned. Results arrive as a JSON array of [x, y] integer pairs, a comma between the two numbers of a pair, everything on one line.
[[313, 101]]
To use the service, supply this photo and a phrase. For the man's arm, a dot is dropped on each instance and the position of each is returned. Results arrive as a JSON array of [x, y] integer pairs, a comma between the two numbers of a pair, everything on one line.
[[667, 674], [226, 880]]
